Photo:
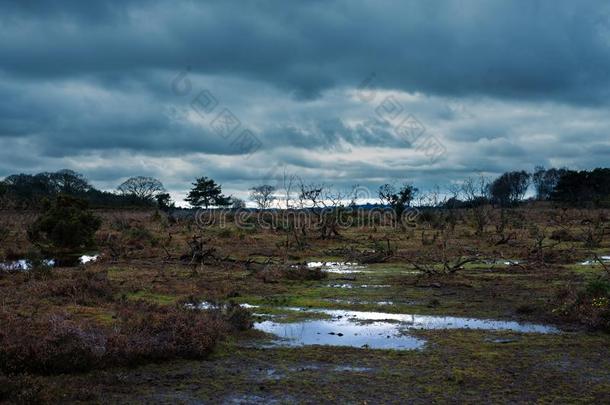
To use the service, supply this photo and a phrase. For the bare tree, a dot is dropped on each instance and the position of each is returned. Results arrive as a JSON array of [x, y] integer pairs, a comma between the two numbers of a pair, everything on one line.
[[502, 232], [433, 197], [288, 181], [263, 196], [455, 190], [288, 222], [333, 203], [475, 191], [141, 187], [545, 181], [237, 203], [310, 200], [444, 259], [452, 204], [310, 195]]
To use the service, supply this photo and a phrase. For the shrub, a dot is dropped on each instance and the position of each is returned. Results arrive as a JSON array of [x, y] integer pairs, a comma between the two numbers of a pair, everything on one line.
[[435, 218], [225, 233], [83, 287], [49, 345], [153, 333], [598, 288], [275, 273], [25, 389], [589, 306], [238, 317], [143, 333], [303, 273], [65, 226], [562, 235], [139, 236]]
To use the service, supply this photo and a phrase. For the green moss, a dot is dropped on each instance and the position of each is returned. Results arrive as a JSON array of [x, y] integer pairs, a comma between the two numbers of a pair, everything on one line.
[[115, 271], [587, 270], [152, 297], [99, 315]]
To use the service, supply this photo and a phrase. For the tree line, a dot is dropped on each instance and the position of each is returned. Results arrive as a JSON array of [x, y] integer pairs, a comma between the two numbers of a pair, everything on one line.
[[570, 187], [564, 186], [29, 191]]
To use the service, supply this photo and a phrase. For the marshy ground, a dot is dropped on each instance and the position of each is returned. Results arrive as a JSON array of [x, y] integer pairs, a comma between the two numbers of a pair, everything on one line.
[[561, 358]]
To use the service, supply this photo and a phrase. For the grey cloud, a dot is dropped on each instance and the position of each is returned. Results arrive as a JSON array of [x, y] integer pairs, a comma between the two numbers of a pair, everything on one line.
[[503, 84], [546, 50]]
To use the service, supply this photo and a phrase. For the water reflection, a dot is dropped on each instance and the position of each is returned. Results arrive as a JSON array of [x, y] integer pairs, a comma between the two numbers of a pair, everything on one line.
[[337, 267], [25, 264], [591, 262], [378, 330], [348, 285], [341, 332]]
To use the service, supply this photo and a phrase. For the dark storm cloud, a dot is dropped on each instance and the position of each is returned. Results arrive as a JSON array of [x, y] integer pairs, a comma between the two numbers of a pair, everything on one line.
[[504, 84], [542, 49]]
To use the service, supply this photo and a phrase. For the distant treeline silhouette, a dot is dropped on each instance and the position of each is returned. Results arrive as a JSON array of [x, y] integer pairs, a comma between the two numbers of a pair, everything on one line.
[[27, 191], [583, 187], [562, 186]]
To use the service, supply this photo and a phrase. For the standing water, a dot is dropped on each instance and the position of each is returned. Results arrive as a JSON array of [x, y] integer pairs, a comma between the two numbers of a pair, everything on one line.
[[378, 330]]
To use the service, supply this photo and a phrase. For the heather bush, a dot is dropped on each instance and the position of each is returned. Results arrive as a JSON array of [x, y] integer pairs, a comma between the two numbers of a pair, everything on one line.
[[25, 389], [58, 343], [589, 306], [562, 235], [140, 236], [273, 274], [238, 317], [52, 344], [152, 333], [82, 287], [303, 273]]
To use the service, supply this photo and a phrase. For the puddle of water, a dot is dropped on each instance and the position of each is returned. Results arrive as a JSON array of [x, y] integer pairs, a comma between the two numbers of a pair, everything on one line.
[[356, 302], [271, 374], [205, 305], [24, 264], [308, 367], [14, 265], [249, 399], [337, 267], [347, 285], [378, 330], [344, 285], [353, 369], [501, 340], [592, 262], [341, 332], [441, 322], [84, 259], [505, 262]]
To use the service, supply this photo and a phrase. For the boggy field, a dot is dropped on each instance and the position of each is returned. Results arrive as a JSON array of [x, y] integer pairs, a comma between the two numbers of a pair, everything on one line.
[[478, 306]]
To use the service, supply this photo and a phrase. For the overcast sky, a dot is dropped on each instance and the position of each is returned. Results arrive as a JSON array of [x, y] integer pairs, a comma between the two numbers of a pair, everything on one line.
[[342, 92]]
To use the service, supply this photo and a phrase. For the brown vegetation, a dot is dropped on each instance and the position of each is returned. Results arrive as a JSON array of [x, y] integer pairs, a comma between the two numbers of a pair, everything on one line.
[[129, 307]]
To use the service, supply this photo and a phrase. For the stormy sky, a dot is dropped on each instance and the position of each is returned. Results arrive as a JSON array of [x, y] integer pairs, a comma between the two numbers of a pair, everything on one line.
[[342, 92]]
